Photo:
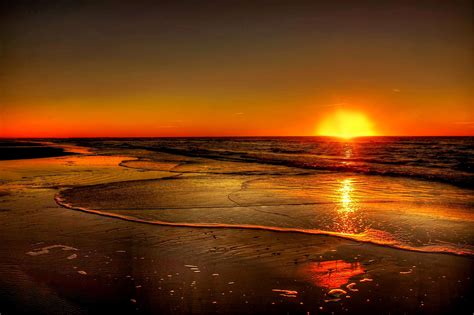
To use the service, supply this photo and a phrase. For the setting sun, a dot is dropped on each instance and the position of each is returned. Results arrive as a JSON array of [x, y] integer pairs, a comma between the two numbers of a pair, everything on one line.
[[240, 157], [346, 124]]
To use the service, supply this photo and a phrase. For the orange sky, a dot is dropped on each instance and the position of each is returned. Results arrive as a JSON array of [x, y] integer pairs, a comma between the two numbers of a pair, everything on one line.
[[240, 68]]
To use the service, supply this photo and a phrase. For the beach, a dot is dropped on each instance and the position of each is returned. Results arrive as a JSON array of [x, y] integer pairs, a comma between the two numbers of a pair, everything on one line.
[[176, 228]]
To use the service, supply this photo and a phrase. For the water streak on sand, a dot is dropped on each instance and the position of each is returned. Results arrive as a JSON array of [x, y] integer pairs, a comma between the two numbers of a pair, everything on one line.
[[370, 236], [351, 286], [291, 292], [366, 280], [73, 256], [46, 250], [406, 272]]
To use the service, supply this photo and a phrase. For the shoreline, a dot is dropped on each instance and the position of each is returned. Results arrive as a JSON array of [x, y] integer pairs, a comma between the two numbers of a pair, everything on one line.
[[356, 238]]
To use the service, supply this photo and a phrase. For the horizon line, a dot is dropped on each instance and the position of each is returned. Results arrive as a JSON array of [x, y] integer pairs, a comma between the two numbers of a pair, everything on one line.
[[237, 136]]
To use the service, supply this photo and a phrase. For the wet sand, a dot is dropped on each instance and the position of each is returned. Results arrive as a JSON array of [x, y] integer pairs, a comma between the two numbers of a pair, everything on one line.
[[55, 260]]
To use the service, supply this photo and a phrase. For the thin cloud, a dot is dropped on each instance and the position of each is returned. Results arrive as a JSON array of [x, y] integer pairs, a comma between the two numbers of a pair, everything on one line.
[[333, 105]]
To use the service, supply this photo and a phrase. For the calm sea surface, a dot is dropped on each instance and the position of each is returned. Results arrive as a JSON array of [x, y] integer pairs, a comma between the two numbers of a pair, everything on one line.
[[446, 159]]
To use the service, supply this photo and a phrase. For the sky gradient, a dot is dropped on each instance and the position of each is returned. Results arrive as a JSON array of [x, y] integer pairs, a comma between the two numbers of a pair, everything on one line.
[[234, 68]]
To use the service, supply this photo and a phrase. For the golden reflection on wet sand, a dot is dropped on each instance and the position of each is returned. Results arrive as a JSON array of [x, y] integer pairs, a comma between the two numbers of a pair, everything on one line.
[[334, 273]]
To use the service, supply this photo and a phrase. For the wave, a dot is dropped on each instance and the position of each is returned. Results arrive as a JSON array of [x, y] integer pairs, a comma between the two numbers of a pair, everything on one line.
[[371, 236], [368, 166], [442, 159]]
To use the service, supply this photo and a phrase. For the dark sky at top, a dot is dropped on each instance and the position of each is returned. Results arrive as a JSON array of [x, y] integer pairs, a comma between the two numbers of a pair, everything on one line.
[[85, 68]]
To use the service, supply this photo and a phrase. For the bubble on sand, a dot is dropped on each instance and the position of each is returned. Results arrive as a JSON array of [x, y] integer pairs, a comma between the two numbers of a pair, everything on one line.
[[82, 272], [406, 272]]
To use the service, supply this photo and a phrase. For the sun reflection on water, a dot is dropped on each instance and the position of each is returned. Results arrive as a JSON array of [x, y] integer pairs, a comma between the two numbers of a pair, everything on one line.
[[346, 200], [347, 217], [347, 150]]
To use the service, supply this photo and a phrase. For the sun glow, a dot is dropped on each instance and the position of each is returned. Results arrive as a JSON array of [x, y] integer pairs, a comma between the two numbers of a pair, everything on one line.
[[346, 124]]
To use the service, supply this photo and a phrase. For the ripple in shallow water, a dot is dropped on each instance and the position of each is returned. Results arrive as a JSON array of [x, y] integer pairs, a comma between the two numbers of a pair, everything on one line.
[[402, 213]]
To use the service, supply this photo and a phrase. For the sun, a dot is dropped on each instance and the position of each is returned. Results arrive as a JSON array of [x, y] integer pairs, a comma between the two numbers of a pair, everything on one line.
[[346, 124]]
